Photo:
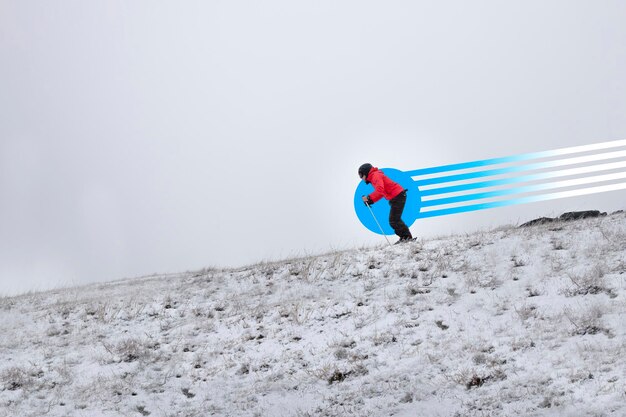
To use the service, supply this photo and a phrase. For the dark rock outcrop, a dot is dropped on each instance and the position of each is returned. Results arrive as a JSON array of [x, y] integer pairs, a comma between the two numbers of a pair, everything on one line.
[[540, 220], [570, 215], [576, 215]]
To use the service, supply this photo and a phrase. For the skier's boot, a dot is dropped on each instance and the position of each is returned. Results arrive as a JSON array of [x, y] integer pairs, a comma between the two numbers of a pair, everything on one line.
[[405, 240]]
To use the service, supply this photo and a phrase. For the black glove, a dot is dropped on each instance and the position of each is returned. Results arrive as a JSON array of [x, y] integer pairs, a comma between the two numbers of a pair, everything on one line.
[[369, 201]]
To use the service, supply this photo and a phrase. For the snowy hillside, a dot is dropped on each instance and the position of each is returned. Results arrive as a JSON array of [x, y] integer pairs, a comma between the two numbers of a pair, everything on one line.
[[511, 322]]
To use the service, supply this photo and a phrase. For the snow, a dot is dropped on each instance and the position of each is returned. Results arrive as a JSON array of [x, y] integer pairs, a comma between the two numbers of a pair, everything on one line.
[[507, 322]]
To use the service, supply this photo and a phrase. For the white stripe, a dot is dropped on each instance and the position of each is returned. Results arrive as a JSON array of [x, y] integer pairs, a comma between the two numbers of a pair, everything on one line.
[[545, 186], [549, 174], [540, 197], [548, 154]]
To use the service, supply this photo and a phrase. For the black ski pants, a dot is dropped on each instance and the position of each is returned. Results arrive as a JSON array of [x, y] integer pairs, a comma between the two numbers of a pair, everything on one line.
[[395, 216]]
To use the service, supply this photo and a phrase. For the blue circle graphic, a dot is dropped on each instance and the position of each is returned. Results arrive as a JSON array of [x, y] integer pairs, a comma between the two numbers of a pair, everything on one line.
[[381, 208]]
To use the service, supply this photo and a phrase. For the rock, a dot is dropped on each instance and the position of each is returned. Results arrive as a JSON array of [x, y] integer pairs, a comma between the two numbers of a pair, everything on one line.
[[570, 215], [576, 215], [540, 220]]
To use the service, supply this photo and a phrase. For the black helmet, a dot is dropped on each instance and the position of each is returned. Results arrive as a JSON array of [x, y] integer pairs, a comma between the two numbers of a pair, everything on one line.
[[364, 170]]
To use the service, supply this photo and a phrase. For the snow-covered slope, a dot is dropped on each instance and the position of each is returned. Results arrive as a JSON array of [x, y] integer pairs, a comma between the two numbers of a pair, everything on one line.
[[510, 322]]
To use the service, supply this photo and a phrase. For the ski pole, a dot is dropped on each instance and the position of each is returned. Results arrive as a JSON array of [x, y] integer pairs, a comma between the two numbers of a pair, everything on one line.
[[376, 220]]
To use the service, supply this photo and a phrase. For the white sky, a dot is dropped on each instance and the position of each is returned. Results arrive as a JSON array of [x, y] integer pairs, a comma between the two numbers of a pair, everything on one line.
[[150, 136]]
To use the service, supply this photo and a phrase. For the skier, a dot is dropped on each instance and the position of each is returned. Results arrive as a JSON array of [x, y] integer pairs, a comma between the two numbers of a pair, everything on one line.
[[392, 191]]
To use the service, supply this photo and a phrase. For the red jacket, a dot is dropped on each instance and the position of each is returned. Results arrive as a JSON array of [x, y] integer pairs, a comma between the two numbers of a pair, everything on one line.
[[383, 186]]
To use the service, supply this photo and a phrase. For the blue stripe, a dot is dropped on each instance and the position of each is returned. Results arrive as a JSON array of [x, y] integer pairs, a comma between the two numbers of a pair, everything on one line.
[[515, 158], [493, 204], [480, 174], [482, 184], [506, 181], [479, 196], [474, 207], [480, 163], [501, 171]]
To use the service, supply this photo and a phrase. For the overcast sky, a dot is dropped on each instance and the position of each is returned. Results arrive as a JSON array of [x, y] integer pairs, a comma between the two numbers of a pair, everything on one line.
[[150, 136]]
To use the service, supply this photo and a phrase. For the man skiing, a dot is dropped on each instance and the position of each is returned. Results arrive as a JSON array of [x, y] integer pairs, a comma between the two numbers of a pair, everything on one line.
[[392, 191]]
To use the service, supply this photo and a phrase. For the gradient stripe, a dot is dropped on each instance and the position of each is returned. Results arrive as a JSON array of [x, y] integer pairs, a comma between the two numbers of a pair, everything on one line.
[[522, 168], [524, 178], [518, 158], [522, 200], [524, 189]]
